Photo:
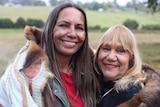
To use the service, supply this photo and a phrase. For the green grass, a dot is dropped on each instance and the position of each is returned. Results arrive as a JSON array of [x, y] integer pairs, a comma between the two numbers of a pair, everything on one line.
[[103, 19], [10, 43], [11, 31], [109, 18], [151, 53], [25, 12]]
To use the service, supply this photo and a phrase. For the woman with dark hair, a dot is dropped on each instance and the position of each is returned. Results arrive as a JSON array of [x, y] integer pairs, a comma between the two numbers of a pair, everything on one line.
[[65, 40], [54, 69]]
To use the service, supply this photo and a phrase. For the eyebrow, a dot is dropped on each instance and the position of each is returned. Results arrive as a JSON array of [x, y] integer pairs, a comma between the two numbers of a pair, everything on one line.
[[63, 21]]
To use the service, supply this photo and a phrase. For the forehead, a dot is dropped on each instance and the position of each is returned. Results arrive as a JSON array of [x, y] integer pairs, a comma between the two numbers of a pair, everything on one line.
[[113, 44], [71, 14], [115, 41]]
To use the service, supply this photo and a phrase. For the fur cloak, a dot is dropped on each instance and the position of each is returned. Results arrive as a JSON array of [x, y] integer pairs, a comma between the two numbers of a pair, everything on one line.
[[21, 86], [148, 96]]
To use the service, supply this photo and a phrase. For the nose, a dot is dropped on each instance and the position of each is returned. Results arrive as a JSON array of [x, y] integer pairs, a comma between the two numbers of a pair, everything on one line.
[[72, 32], [111, 56]]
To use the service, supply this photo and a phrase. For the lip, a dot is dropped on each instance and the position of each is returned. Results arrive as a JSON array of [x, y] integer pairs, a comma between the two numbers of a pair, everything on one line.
[[110, 66]]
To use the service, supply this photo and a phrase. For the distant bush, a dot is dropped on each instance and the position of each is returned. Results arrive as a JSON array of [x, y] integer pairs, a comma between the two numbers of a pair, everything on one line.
[[20, 23], [131, 24], [94, 28], [35, 22], [104, 29], [150, 27], [6, 23]]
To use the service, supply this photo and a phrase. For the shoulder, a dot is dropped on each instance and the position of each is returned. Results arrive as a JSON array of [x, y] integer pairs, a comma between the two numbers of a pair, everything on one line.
[[149, 95], [130, 91], [134, 88]]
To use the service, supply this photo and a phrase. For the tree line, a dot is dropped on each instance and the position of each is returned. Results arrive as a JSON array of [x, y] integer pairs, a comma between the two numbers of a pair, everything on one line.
[[21, 22], [152, 5]]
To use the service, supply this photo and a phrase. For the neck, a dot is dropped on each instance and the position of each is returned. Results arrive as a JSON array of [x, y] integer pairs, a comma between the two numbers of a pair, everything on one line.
[[63, 63]]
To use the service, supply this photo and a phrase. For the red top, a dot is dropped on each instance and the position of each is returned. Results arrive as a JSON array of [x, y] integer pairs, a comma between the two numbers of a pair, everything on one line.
[[75, 99]]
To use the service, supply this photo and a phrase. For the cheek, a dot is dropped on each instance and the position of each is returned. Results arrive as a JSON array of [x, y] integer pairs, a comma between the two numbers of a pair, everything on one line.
[[100, 59], [57, 31], [101, 55], [82, 37], [125, 62]]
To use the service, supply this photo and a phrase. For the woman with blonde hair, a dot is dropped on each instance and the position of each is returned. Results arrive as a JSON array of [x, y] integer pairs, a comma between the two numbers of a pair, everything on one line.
[[119, 67]]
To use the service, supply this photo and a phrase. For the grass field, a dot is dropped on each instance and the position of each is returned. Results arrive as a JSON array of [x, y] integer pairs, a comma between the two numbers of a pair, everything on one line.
[[103, 19], [12, 40]]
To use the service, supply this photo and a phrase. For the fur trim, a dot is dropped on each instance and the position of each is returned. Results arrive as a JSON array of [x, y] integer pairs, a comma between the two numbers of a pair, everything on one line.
[[33, 33], [35, 55], [35, 52], [149, 95]]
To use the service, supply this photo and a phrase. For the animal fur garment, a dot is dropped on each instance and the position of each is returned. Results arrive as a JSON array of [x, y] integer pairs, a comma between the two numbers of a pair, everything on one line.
[[24, 84], [33, 33], [149, 95]]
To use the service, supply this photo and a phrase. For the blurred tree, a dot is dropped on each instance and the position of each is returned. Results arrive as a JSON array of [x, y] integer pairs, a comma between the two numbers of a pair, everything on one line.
[[95, 6], [39, 3], [20, 23], [23, 2], [152, 4], [115, 2], [2, 2], [53, 2], [134, 5]]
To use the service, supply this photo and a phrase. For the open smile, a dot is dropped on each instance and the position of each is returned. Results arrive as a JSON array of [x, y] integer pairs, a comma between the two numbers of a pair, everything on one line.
[[69, 43]]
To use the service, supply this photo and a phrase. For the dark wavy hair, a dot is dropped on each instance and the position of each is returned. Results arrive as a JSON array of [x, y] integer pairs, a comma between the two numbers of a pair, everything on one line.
[[83, 76]]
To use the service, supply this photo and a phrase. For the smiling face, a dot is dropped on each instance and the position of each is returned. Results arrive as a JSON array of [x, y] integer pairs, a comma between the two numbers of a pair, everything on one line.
[[69, 32], [113, 61]]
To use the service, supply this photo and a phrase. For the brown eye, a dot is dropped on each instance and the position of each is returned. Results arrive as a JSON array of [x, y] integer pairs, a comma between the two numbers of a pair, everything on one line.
[[63, 25], [80, 28]]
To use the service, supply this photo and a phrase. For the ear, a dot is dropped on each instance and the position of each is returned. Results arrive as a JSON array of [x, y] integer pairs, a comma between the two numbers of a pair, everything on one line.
[[33, 33]]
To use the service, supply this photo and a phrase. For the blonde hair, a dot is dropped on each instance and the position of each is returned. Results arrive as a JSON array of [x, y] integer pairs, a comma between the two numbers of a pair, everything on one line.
[[122, 34]]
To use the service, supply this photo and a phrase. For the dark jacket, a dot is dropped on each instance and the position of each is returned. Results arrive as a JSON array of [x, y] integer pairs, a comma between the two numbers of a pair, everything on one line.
[[135, 95], [112, 98]]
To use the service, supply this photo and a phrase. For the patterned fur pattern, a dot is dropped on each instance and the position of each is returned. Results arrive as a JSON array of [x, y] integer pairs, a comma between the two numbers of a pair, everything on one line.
[[149, 96]]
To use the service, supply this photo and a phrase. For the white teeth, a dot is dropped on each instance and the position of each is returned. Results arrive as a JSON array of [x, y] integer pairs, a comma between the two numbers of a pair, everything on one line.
[[69, 43]]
